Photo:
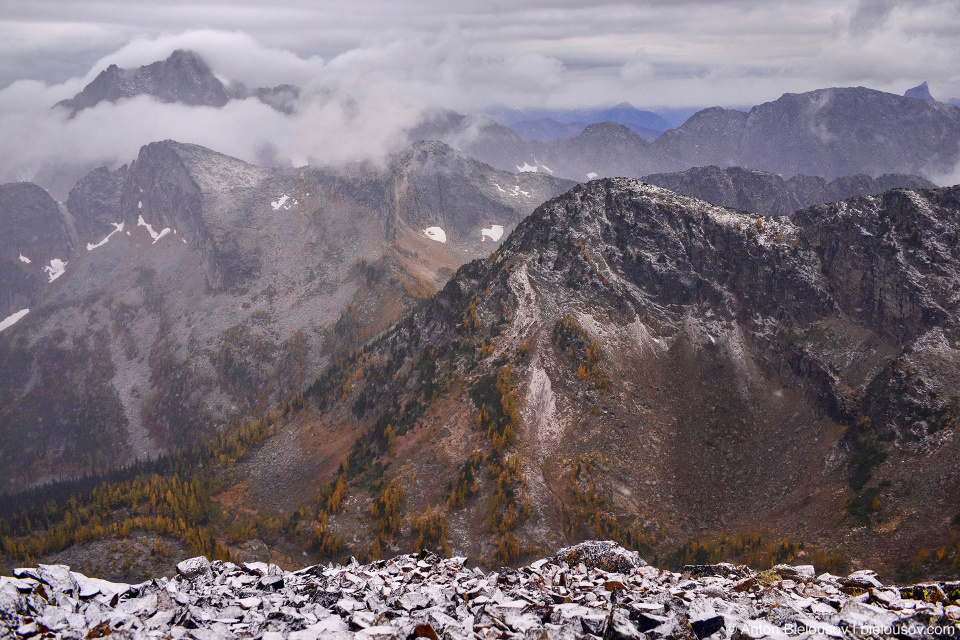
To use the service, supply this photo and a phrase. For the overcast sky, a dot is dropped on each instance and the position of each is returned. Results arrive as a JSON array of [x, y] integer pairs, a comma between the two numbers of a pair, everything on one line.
[[396, 57], [466, 55]]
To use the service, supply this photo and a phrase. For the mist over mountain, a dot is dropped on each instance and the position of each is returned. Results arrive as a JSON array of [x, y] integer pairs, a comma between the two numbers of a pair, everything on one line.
[[183, 78], [549, 124]]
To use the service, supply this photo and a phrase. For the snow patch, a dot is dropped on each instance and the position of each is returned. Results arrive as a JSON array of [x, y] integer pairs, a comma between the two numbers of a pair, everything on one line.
[[117, 226], [56, 269], [281, 203], [515, 191], [9, 321], [153, 234], [527, 168], [24, 259], [547, 169], [495, 232], [140, 204], [436, 233], [591, 175]]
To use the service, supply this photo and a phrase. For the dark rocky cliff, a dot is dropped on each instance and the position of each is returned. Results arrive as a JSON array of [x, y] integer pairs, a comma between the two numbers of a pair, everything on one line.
[[33, 232]]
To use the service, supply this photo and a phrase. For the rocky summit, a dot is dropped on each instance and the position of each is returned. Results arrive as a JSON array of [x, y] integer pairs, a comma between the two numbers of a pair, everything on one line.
[[592, 590]]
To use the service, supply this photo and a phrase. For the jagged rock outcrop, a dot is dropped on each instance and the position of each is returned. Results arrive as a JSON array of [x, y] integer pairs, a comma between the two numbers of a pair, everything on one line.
[[426, 596], [769, 194], [802, 134], [34, 240], [921, 91], [184, 77]]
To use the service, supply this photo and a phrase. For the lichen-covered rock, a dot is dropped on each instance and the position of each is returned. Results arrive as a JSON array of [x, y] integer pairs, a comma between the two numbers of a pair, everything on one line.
[[605, 555], [801, 573], [194, 567]]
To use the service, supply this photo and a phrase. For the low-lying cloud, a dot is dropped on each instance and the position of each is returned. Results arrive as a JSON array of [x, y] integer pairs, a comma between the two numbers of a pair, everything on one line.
[[355, 106], [324, 130]]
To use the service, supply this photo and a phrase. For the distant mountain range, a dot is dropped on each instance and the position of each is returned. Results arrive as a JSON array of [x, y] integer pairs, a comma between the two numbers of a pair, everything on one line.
[[769, 194], [182, 78], [828, 133], [549, 124]]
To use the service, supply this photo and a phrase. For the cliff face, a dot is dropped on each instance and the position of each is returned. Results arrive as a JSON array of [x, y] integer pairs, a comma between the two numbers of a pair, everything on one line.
[[33, 232], [656, 369]]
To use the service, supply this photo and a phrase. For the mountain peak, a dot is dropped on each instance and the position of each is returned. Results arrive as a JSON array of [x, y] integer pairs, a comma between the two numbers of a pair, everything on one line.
[[921, 91], [183, 77]]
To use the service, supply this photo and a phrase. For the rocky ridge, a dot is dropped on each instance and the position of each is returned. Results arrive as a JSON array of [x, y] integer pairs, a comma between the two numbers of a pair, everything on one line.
[[184, 77], [636, 363], [769, 194], [592, 590]]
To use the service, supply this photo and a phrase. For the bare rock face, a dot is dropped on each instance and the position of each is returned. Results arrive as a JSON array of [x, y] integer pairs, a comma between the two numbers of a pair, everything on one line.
[[921, 92], [33, 234], [94, 203], [429, 597]]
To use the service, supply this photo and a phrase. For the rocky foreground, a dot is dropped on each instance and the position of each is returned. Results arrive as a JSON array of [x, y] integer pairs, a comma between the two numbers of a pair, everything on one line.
[[595, 589]]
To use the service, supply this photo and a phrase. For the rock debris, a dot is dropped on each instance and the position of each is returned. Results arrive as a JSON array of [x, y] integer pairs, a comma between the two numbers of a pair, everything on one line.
[[591, 590]]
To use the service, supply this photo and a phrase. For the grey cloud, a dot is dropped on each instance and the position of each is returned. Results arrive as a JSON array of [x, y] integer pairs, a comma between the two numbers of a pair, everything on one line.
[[396, 58]]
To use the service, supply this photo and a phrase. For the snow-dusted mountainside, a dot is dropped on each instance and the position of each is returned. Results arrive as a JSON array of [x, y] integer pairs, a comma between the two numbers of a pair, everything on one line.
[[198, 289], [828, 133], [644, 366], [769, 194], [183, 77]]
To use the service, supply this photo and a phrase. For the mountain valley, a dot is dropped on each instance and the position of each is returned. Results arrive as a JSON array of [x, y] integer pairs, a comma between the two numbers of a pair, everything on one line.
[[733, 340]]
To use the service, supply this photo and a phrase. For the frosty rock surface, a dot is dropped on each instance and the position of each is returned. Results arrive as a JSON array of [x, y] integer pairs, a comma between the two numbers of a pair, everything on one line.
[[591, 590]]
